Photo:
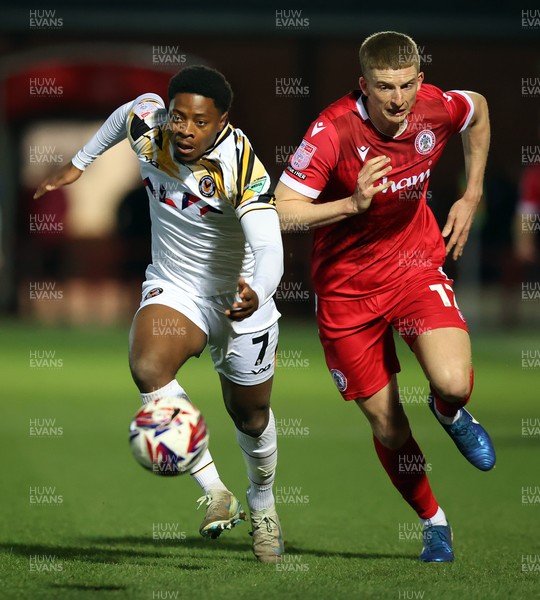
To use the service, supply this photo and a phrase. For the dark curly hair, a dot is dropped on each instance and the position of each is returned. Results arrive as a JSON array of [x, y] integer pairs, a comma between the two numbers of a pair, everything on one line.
[[204, 81]]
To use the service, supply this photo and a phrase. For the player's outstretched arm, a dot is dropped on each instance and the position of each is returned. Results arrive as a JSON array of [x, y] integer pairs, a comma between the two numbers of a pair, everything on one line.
[[65, 175], [475, 149], [296, 210], [108, 135]]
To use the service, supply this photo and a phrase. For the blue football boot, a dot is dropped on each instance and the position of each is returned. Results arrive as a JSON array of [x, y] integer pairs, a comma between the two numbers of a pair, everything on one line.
[[470, 437], [437, 544]]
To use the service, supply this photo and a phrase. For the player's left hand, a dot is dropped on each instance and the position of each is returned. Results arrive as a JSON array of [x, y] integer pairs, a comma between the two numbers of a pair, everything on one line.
[[65, 175], [458, 224], [248, 304]]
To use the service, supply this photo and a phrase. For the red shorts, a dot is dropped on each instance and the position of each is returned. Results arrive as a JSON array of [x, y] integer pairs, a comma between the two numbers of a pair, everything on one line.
[[357, 335]]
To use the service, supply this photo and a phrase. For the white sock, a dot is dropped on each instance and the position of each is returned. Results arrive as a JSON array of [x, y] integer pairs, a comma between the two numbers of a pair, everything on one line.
[[439, 518], [260, 456], [171, 390], [205, 472]]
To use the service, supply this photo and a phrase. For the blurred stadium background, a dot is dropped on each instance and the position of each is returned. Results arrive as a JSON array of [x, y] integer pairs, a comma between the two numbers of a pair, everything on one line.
[[65, 69], [71, 266]]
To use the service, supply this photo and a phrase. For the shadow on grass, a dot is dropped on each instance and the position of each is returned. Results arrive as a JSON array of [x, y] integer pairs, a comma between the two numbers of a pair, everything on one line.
[[238, 545], [81, 587], [192, 541], [351, 555], [122, 548]]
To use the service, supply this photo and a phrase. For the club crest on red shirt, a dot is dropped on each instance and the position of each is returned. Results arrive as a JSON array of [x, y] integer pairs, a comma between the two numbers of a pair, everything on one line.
[[425, 141]]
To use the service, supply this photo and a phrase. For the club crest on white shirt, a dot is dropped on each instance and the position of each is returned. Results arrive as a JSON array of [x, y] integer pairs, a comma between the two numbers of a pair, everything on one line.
[[207, 186]]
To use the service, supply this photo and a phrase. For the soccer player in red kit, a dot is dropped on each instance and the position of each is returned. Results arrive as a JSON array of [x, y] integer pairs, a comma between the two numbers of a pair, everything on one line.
[[359, 178]]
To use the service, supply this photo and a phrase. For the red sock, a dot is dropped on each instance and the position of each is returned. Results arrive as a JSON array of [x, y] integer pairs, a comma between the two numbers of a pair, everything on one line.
[[449, 409], [406, 469]]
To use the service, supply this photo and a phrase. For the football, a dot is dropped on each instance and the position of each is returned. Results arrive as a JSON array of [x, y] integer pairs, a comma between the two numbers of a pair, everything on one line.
[[168, 436]]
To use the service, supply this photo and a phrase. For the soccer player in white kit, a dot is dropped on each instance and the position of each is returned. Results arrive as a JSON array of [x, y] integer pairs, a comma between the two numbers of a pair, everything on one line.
[[217, 259]]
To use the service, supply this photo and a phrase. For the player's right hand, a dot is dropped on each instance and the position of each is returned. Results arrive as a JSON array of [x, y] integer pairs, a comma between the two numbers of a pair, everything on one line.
[[62, 176], [246, 305], [373, 170]]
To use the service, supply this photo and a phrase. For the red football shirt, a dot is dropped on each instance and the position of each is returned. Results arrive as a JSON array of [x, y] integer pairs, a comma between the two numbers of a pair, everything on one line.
[[398, 235]]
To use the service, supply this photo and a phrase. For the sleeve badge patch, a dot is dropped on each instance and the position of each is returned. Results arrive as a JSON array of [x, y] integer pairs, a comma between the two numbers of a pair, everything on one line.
[[257, 185], [303, 155]]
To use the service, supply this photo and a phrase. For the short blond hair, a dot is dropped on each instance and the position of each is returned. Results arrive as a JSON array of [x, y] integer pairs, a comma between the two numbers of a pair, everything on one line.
[[388, 50]]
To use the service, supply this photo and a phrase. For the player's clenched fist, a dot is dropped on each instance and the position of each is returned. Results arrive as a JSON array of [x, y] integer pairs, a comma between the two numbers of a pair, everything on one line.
[[373, 170], [247, 303], [63, 176]]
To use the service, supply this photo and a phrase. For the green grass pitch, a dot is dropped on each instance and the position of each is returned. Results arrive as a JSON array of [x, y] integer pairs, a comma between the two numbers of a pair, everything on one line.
[[112, 530]]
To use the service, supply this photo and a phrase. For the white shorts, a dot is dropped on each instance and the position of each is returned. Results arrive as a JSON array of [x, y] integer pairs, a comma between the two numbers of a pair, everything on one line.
[[242, 351]]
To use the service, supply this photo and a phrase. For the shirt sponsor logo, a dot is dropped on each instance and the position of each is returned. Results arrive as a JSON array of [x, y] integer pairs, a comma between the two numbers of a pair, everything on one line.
[[407, 182], [425, 141], [303, 155], [189, 199]]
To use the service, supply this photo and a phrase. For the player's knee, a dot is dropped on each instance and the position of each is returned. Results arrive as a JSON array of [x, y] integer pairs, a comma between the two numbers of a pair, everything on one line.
[[453, 387], [252, 425], [149, 373], [252, 429]]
